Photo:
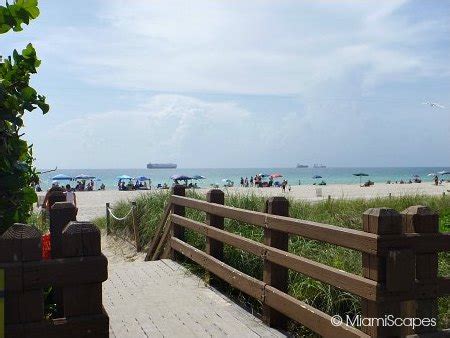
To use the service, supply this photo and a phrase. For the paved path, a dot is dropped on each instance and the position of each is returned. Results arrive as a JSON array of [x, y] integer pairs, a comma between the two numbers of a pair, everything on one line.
[[163, 299]]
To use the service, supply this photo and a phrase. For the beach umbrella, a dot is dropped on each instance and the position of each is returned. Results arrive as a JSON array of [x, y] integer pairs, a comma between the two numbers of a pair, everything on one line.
[[142, 178], [180, 177], [360, 175], [124, 177], [198, 177], [263, 175], [84, 177], [316, 177], [62, 177], [416, 176], [276, 175]]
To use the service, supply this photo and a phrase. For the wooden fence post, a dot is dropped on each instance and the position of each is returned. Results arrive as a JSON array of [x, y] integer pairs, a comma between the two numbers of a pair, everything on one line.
[[274, 274], [176, 230], [394, 271], [108, 219], [214, 247], [420, 219], [61, 213], [82, 239], [20, 243]]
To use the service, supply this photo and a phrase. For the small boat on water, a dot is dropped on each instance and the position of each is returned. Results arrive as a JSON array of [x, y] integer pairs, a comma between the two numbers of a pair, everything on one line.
[[161, 166]]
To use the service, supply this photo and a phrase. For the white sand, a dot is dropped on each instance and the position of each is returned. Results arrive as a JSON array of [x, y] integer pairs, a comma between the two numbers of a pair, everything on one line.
[[91, 204]]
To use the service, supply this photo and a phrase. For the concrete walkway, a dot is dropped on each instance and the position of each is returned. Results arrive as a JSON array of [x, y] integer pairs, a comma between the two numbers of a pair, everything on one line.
[[163, 299]]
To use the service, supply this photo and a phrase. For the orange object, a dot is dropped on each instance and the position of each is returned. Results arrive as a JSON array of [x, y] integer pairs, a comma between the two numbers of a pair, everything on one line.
[[46, 246]]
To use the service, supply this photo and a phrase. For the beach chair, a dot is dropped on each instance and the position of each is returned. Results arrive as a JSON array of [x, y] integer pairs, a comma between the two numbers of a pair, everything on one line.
[[318, 192]]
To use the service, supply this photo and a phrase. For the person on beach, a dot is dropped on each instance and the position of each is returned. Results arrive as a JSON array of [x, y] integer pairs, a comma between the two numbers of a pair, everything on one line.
[[242, 181], [436, 180], [47, 204], [251, 181], [70, 195]]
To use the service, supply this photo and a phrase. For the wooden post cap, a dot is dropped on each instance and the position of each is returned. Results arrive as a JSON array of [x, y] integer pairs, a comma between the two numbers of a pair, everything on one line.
[[420, 219], [277, 205], [215, 196], [20, 230], [382, 221], [81, 239], [21, 242], [179, 190]]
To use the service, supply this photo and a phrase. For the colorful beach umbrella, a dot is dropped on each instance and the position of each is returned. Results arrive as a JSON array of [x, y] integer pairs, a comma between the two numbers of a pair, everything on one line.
[[180, 177], [142, 178], [84, 177], [62, 177], [124, 177], [276, 175]]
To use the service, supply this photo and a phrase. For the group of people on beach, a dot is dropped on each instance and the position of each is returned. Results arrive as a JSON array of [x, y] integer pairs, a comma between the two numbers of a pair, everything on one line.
[[138, 185], [82, 186], [257, 181]]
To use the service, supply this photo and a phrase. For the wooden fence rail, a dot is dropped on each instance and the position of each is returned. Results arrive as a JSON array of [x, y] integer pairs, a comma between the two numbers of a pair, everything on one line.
[[399, 260], [74, 273]]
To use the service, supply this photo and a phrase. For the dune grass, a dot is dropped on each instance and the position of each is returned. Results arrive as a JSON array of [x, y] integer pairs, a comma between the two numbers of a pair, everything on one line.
[[344, 213]]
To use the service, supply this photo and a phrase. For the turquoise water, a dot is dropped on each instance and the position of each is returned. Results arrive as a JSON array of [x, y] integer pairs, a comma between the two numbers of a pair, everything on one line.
[[293, 175]]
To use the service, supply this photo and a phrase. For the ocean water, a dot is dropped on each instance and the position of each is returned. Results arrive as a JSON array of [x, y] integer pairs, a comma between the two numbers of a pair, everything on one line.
[[294, 176]]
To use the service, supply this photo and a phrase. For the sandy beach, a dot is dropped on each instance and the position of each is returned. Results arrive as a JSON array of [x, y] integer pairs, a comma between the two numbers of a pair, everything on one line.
[[91, 204]]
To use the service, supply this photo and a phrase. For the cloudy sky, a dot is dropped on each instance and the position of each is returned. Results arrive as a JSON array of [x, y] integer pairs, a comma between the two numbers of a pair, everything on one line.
[[240, 83]]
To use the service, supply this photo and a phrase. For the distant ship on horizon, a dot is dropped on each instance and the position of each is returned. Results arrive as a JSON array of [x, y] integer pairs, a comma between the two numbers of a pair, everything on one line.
[[302, 165], [319, 166], [161, 166]]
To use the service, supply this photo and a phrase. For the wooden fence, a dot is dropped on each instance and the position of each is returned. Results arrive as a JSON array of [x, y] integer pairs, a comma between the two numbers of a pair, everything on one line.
[[72, 278], [399, 252]]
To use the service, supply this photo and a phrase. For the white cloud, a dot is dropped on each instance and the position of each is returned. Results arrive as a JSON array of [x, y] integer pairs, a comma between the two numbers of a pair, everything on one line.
[[166, 128], [264, 47]]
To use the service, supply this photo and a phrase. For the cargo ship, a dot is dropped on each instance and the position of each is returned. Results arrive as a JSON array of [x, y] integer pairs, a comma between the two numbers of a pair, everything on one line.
[[161, 166], [302, 166], [319, 166]]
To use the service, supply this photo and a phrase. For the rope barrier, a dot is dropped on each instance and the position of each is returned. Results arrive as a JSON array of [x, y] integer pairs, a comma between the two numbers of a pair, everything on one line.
[[109, 213], [120, 218]]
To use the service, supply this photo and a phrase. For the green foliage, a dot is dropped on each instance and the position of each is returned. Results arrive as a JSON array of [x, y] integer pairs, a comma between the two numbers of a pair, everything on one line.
[[21, 12], [17, 173], [340, 212]]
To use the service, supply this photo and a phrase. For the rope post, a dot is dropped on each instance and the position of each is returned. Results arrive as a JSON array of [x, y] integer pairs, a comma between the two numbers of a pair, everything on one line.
[[176, 230], [274, 274], [108, 219], [135, 227]]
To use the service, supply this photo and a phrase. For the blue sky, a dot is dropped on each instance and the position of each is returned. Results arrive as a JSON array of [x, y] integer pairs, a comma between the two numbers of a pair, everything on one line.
[[240, 84]]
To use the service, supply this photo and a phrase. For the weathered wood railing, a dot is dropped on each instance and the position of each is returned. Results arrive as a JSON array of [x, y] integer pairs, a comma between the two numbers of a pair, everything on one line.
[[75, 273], [399, 260]]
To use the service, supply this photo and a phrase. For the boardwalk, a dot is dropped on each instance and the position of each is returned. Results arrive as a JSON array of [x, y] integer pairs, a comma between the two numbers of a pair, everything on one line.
[[162, 299]]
